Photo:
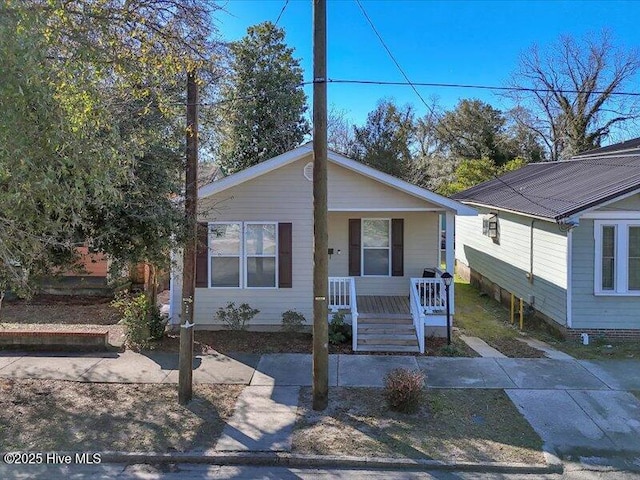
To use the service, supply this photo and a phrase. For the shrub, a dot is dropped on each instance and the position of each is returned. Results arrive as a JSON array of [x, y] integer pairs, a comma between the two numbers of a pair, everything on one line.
[[339, 330], [142, 321], [404, 390], [236, 318], [293, 321]]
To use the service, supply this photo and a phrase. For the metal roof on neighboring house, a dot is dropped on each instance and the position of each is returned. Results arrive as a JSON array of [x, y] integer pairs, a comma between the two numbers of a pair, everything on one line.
[[557, 190]]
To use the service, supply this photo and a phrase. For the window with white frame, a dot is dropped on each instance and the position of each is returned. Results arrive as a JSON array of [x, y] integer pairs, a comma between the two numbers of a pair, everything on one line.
[[225, 254], [260, 241], [617, 257], [243, 255], [376, 247]]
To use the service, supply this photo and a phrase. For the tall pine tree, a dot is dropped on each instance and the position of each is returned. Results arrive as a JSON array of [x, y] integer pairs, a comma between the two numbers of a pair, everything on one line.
[[263, 103]]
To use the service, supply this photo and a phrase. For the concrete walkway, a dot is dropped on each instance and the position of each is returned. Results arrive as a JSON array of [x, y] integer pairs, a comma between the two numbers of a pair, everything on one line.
[[572, 404]]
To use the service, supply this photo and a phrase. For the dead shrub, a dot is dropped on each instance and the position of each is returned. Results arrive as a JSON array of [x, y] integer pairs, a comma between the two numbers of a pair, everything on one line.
[[404, 390]]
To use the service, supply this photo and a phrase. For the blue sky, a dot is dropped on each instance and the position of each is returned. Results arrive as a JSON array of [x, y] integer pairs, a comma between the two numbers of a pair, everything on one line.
[[470, 42]]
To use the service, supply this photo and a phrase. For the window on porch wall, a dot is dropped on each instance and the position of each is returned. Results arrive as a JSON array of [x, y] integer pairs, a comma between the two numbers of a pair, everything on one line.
[[376, 247]]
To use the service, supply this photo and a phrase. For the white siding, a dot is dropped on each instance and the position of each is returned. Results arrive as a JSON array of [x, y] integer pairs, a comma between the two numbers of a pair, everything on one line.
[[589, 310], [348, 189], [421, 249], [507, 262], [283, 195]]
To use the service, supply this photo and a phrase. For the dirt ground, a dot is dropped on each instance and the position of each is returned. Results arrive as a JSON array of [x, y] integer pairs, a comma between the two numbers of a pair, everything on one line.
[[453, 425], [48, 415]]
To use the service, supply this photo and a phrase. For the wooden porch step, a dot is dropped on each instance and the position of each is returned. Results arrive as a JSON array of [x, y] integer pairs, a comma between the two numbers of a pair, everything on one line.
[[394, 316], [389, 348], [385, 321], [373, 339], [385, 329]]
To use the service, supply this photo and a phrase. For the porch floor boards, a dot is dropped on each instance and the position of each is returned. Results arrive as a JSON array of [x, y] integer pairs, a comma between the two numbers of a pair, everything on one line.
[[376, 304]]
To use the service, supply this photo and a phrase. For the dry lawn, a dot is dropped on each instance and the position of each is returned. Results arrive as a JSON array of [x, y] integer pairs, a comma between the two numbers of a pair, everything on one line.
[[453, 425], [51, 415]]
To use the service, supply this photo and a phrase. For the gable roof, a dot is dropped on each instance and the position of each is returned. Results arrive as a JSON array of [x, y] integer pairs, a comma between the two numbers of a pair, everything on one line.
[[306, 149], [557, 190]]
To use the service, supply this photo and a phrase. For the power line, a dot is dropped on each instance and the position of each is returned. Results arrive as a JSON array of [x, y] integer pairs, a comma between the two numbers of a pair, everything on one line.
[[481, 87], [284, 7], [375, 30]]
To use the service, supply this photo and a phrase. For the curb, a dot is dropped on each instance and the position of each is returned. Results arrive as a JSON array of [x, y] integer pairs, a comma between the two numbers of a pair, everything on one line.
[[306, 461]]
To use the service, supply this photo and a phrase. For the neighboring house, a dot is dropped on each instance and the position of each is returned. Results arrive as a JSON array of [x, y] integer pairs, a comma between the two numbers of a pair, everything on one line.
[[256, 246], [564, 236]]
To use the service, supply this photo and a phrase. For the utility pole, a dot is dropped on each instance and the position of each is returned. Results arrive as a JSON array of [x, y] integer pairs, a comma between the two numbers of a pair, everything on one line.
[[185, 364], [321, 242]]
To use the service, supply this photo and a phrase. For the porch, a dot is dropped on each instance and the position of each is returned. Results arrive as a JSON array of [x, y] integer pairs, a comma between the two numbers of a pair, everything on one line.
[[391, 322]]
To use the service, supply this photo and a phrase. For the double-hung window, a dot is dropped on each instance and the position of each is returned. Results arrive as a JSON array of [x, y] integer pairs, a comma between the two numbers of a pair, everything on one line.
[[376, 247], [243, 255], [617, 257]]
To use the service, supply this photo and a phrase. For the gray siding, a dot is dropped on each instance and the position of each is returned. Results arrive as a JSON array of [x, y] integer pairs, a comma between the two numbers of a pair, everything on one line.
[[589, 310], [629, 203], [507, 263]]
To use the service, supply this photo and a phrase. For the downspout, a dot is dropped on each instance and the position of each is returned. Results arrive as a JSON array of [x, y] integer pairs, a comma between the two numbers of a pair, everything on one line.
[[530, 274]]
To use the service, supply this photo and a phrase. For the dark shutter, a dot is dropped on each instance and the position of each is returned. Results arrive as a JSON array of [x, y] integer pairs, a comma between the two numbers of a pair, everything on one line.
[[202, 256], [285, 263], [397, 247], [354, 247]]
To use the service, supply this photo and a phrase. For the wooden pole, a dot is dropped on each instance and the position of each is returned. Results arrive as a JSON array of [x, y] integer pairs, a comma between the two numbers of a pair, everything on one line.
[[321, 242], [185, 364]]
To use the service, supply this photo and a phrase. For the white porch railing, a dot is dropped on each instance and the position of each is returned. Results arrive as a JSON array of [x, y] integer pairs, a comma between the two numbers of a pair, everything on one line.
[[342, 296], [431, 294], [417, 313]]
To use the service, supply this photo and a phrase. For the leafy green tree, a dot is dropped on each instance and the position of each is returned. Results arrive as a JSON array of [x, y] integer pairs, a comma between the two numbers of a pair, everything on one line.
[[385, 141], [472, 130], [473, 172], [80, 83], [262, 101], [568, 92]]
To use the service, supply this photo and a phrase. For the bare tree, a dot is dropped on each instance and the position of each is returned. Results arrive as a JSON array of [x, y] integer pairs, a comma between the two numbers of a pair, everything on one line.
[[571, 94], [339, 131]]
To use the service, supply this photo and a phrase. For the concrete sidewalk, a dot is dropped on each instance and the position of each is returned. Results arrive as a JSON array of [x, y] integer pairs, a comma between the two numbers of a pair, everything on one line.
[[573, 405]]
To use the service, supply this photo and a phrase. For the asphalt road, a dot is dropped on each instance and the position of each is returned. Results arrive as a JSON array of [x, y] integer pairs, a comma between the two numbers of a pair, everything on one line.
[[214, 472]]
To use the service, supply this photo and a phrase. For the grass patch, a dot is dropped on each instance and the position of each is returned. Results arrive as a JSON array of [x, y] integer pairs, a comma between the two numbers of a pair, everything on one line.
[[479, 315], [53, 415], [598, 348], [453, 425]]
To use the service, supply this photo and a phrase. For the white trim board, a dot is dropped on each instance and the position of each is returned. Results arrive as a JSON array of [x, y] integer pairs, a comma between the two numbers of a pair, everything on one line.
[[307, 149]]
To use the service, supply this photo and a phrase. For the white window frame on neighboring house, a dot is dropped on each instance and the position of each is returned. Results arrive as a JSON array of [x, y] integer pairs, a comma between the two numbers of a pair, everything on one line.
[[243, 255], [363, 248], [621, 257]]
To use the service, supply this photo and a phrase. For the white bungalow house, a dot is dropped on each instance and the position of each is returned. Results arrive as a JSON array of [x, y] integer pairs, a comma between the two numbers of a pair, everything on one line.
[[564, 237], [256, 237]]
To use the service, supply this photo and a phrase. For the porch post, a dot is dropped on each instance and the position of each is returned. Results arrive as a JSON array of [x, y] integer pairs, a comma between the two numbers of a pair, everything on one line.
[[450, 253]]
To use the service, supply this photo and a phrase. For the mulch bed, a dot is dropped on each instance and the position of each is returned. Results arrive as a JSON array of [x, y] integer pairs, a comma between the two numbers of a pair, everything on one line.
[[226, 341]]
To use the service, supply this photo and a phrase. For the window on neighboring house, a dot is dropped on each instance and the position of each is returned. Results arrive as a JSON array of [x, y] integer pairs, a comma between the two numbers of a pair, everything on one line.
[[490, 226], [617, 257], [225, 254], [243, 257], [260, 250], [376, 247]]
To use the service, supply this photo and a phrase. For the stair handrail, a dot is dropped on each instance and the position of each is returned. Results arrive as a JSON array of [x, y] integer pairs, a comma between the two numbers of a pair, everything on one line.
[[353, 300], [417, 312]]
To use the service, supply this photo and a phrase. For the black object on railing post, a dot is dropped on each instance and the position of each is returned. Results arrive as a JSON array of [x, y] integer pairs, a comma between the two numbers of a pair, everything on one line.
[[447, 278]]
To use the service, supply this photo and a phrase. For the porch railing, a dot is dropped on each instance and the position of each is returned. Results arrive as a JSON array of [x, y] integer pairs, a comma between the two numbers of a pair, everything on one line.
[[342, 296], [430, 294], [417, 313]]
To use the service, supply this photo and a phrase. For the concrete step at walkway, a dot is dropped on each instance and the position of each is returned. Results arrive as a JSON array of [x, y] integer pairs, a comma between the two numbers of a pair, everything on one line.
[[262, 421], [481, 347]]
